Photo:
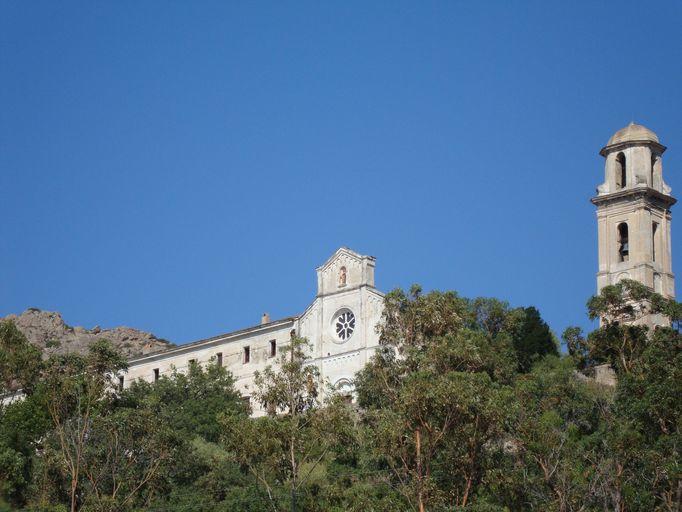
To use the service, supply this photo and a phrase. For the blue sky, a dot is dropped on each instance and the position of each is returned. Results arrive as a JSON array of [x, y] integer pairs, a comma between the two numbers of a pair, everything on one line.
[[181, 167]]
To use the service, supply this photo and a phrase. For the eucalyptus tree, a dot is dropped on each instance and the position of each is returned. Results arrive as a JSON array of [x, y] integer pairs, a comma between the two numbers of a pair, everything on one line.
[[76, 390], [23, 420], [643, 437], [437, 395], [285, 449]]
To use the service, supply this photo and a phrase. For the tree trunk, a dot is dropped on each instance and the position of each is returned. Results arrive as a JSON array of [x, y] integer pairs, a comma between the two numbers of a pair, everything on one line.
[[292, 453], [420, 487]]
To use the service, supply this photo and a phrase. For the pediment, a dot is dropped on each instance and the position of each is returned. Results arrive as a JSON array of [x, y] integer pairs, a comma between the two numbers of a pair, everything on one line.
[[345, 270], [342, 253]]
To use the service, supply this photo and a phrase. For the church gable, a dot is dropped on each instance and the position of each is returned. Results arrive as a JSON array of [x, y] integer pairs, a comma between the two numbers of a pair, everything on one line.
[[345, 270]]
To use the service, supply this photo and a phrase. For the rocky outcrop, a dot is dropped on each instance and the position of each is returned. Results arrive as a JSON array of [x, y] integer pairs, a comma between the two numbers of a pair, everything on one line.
[[48, 330]]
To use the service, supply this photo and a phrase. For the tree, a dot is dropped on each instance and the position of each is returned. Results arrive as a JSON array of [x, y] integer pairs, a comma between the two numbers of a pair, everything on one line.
[[75, 390], [126, 452], [464, 406], [23, 424], [556, 443], [531, 337], [22, 420], [436, 396], [292, 441], [644, 418], [20, 362], [534, 340], [180, 427], [190, 403], [645, 422]]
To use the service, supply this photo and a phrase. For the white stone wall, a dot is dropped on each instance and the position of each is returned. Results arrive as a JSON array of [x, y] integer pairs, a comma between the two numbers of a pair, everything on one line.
[[231, 346], [340, 359]]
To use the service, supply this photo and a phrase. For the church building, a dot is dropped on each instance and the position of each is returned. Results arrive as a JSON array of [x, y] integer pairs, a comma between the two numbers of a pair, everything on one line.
[[633, 216], [340, 324]]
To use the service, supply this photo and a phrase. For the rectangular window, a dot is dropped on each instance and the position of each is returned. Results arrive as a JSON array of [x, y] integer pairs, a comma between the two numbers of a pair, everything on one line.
[[247, 354], [273, 348], [120, 382], [156, 374], [247, 401], [654, 240], [219, 358]]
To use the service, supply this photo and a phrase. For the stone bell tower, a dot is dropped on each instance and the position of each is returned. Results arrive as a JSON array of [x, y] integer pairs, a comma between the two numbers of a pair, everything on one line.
[[633, 213]]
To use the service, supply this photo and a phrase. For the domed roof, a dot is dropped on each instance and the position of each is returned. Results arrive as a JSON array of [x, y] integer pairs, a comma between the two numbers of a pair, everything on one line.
[[631, 133]]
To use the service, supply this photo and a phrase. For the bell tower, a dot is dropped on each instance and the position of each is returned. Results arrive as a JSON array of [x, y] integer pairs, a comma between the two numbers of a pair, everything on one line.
[[633, 212]]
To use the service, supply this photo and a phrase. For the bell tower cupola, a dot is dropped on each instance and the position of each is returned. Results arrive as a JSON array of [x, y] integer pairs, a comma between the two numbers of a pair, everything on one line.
[[633, 212]]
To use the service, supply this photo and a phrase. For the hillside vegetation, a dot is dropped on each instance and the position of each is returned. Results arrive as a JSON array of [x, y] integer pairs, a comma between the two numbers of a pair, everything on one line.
[[467, 406]]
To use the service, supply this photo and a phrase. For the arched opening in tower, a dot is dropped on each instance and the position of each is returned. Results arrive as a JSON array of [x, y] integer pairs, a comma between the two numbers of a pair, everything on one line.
[[621, 176], [623, 242]]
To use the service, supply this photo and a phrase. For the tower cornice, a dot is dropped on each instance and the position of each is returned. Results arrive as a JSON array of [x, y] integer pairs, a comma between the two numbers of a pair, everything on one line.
[[633, 194], [630, 143]]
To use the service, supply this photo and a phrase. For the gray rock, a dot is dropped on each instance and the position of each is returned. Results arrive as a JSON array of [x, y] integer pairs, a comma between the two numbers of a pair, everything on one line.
[[47, 330]]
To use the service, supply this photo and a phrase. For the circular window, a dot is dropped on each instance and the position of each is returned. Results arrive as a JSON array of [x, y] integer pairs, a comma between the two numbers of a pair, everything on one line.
[[344, 324]]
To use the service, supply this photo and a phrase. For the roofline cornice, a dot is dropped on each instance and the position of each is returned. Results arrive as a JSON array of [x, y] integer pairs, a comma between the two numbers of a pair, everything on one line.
[[347, 290], [230, 336]]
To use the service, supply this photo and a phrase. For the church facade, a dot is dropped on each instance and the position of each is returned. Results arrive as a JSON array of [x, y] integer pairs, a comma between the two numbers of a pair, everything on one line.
[[340, 324], [633, 217]]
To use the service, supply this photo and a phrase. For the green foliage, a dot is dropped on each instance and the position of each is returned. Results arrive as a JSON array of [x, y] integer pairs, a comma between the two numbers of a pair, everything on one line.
[[22, 422], [534, 340], [292, 388], [555, 445], [642, 438], [20, 361], [465, 406], [288, 451], [645, 435], [437, 396], [188, 403]]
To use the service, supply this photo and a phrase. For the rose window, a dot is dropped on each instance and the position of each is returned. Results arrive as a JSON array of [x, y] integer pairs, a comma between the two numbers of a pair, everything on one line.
[[345, 325]]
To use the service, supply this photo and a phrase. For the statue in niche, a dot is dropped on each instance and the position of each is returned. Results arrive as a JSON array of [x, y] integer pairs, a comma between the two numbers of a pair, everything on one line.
[[342, 276]]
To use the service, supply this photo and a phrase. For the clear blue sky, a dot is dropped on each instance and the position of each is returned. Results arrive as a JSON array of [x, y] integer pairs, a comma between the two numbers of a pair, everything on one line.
[[181, 167]]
